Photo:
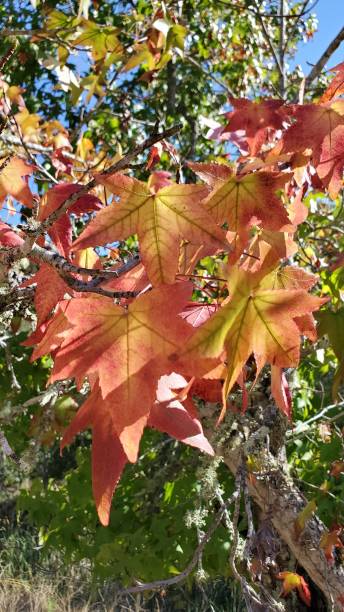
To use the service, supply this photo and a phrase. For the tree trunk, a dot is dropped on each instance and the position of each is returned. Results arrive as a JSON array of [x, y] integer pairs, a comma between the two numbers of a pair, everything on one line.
[[278, 497]]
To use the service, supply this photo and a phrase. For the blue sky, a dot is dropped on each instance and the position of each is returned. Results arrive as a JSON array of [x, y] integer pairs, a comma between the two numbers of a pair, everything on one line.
[[330, 15]]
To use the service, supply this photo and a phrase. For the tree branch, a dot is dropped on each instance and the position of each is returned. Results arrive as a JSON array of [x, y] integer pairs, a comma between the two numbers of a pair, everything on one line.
[[282, 44], [158, 584], [317, 68], [269, 41], [65, 267]]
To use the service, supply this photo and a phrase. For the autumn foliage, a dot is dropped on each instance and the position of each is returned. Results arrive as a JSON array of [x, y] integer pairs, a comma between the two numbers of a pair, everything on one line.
[[156, 335]]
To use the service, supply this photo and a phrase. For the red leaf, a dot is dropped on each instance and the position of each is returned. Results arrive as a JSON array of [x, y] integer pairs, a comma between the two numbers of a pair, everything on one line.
[[336, 87], [255, 118], [150, 323], [331, 161], [50, 290], [314, 122], [61, 231], [173, 419], [8, 237], [331, 540]]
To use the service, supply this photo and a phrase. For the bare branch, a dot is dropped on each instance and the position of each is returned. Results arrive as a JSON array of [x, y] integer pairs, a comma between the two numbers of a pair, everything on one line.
[[282, 45], [269, 41], [9, 363], [65, 267], [318, 67], [8, 55], [91, 288], [158, 584]]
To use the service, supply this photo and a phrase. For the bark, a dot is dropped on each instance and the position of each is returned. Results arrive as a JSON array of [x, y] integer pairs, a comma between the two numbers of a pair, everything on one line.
[[274, 491]]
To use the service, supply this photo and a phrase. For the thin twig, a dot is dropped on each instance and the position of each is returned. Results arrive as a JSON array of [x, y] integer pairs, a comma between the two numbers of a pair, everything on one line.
[[158, 584], [8, 55], [269, 41], [9, 362], [282, 43]]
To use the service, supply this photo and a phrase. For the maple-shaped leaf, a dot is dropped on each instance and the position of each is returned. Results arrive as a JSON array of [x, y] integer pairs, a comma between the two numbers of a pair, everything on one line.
[[113, 445], [101, 39], [160, 218], [8, 237], [313, 122], [123, 340], [336, 87], [293, 581], [251, 199], [61, 230], [280, 391], [50, 290], [330, 164], [331, 540], [253, 320], [13, 181], [255, 118]]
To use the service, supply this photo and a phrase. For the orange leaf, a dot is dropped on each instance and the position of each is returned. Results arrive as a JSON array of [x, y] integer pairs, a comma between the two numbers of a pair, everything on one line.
[[12, 181], [123, 341], [336, 87], [329, 541], [50, 290], [243, 201], [257, 319], [293, 581]]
